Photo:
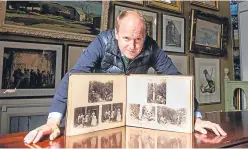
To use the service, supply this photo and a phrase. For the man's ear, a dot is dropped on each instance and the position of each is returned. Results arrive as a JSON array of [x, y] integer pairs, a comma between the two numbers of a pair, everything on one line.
[[116, 33]]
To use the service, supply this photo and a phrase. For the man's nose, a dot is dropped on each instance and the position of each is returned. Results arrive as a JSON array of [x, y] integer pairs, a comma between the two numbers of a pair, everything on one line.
[[132, 44]]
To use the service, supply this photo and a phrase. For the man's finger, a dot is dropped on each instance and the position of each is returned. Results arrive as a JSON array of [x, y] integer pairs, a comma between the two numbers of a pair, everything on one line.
[[221, 131], [30, 136], [38, 136], [215, 130], [201, 130], [55, 134]]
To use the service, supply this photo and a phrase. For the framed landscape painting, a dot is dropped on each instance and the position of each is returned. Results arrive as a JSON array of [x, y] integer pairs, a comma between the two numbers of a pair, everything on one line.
[[207, 80], [72, 20], [150, 17], [29, 69], [173, 34]]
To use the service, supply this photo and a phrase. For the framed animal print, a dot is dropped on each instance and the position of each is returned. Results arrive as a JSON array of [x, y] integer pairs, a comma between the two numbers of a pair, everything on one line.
[[207, 80]]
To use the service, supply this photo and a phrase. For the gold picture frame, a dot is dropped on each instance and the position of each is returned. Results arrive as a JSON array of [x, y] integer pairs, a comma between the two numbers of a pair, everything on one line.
[[43, 29], [175, 5], [213, 4]]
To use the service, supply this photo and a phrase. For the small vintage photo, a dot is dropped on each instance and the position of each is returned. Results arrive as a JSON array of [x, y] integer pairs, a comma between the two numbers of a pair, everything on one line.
[[170, 142], [100, 91], [91, 142], [148, 113], [134, 111], [133, 141], [147, 140], [168, 116], [112, 113], [112, 141], [86, 116], [28, 69], [157, 92]]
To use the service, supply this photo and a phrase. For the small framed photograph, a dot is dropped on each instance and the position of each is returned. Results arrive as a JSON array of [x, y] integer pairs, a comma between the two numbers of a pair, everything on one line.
[[207, 80], [150, 17], [172, 5], [181, 63], [173, 34], [74, 53], [213, 4], [208, 34], [29, 69]]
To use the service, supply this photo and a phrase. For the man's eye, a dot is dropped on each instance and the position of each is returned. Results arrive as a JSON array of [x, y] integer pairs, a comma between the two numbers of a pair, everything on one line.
[[126, 38]]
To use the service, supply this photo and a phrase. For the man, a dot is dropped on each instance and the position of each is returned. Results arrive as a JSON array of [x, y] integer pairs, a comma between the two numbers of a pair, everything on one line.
[[127, 50]]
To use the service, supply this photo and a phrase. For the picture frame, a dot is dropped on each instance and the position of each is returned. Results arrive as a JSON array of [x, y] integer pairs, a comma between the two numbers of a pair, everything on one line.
[[70, 23], [208, 34], [173, 33], [175, 5], [181, 62], [150, 17], [207, 80], [139, 2], [74, 53], [214, 4], [29, 69]]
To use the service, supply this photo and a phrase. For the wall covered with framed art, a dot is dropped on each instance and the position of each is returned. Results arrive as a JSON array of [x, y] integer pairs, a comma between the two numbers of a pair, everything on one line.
[[169, 23]]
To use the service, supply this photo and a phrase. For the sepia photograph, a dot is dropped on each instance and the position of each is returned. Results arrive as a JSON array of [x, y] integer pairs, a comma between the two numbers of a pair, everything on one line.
[[28, 69], [134, 111], [133, 141], [157, 92], [91, 142], [170, 142], [112, 141], [147, 140], [168, 116], [86, 116], [100, 91], [148, 113], [112, 113]]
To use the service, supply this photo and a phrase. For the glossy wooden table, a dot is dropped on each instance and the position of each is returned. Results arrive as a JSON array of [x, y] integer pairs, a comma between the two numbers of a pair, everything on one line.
[[234, 123]]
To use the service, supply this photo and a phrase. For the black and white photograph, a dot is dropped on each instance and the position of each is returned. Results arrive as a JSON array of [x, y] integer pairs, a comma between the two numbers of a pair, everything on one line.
[[147, 140], [100, 91], [86, 116], [173, 34], [90, 142], [134, 111], [29, 69], [113, 140], [112, 113], [164, 141], [133, 141], [157, 92], [148, 113], [168, 116]]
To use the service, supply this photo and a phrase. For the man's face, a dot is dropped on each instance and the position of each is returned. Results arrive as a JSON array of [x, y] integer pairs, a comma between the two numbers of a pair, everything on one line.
[[130, 36]]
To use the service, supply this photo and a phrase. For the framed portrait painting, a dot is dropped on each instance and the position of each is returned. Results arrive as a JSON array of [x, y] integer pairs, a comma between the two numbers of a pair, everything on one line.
[[71, 20], [207, 80], [208, 34], [172, 5], [29, 69], [181, 63], [150, 17], [74, 53], [173, 34]]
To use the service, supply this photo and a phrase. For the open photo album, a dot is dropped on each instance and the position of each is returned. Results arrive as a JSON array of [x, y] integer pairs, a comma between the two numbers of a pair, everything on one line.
[[103, 101]]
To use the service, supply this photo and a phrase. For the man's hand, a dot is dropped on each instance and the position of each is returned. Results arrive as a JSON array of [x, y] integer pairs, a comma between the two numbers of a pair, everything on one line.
[[50, 128], [200, 126]]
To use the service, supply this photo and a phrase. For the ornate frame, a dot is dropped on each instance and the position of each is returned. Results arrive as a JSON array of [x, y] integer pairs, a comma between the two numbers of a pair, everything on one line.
[[206, 5], [165, 5], [195, 31], [51, 33]]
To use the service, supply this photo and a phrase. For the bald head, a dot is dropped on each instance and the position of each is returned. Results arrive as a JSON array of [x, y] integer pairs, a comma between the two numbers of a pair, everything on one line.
[[131, 17]]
